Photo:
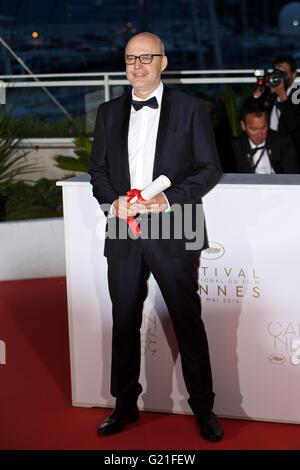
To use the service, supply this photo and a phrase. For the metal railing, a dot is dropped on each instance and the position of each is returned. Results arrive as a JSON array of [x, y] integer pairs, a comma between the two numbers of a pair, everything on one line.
[[107, 80], [110, 79]]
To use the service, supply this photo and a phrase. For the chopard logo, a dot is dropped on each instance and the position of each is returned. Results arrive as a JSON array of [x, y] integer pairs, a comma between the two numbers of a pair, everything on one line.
[[214, 251], [277, 358]]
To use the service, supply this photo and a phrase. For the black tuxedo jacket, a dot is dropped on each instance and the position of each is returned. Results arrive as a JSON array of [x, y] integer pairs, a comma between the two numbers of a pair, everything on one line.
[[289, 120], [185, 152], [280, 149]]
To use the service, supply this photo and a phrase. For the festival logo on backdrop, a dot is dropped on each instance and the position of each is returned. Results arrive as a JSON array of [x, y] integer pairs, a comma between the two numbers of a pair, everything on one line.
[[285, 343], [222, 283]]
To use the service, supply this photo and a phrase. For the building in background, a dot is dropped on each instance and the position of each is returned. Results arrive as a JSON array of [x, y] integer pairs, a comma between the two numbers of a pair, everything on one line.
[[75, 36]]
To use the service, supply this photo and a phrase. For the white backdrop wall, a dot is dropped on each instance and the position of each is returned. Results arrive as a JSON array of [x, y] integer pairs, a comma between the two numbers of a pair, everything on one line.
[[249, 283]]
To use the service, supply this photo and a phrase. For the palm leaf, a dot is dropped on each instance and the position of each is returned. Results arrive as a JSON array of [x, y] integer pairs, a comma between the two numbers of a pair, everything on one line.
[[13, 160], [83, 148], [229, 100]]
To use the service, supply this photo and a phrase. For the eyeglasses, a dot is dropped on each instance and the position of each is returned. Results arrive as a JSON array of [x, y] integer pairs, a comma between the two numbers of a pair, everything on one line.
[[144, 58]]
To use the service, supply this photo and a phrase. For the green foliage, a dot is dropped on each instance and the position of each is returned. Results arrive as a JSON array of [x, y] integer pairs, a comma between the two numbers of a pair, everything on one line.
[[33, 127], [43, 199], [83, 147], [229, 100], [233, 103], [12, 161]]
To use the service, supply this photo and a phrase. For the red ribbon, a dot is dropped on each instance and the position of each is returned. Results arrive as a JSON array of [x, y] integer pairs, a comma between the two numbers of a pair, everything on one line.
[[131, 221]]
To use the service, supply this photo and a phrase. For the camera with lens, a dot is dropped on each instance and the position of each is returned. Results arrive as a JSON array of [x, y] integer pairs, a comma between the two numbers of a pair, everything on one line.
[[272, 79]]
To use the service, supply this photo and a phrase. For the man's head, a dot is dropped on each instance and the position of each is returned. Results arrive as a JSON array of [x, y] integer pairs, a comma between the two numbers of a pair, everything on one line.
[[145, 77], [255, 124], [287, 64]]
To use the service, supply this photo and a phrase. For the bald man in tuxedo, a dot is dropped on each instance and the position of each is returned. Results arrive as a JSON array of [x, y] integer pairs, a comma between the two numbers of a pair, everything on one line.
[[152, 131]]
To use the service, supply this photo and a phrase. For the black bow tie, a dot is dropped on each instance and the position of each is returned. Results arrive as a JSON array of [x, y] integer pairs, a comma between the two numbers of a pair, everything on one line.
[[152, 103], [255, 149]]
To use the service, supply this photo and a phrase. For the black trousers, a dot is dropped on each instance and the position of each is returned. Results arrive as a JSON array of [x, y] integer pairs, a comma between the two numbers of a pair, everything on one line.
[[177, 279]]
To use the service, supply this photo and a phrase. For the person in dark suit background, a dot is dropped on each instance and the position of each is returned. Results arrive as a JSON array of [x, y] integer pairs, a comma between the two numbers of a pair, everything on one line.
[[261, 150], [150, 132], [283, 101]]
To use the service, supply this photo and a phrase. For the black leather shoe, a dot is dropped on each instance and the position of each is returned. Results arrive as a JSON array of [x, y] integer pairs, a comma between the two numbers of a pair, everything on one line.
[[210, 427], [117, 420]]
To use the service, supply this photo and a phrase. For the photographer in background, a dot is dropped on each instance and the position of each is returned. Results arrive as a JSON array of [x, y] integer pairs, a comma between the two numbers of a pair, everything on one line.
[[261, 150], [280, 94]]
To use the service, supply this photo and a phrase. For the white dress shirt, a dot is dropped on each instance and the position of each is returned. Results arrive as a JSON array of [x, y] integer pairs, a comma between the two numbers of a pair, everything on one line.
[[275, 113], [264, 166], [142, 135]]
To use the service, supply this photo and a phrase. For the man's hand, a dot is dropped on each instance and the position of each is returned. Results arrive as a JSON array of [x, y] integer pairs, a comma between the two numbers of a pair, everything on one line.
[[258, 92], [122, 208], [153, 206]]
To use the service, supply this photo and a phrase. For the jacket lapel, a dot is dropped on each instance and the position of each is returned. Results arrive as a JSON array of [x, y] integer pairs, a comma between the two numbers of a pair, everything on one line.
[[245, 151], [269, 147], [162, 128], [125, 117]]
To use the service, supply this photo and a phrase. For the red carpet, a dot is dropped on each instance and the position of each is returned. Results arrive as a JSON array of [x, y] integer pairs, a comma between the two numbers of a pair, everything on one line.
[[35, 397]]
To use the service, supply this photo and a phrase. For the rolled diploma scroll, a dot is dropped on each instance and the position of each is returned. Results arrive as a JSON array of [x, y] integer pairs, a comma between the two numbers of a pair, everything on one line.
[[157, 186], [153, 189]]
